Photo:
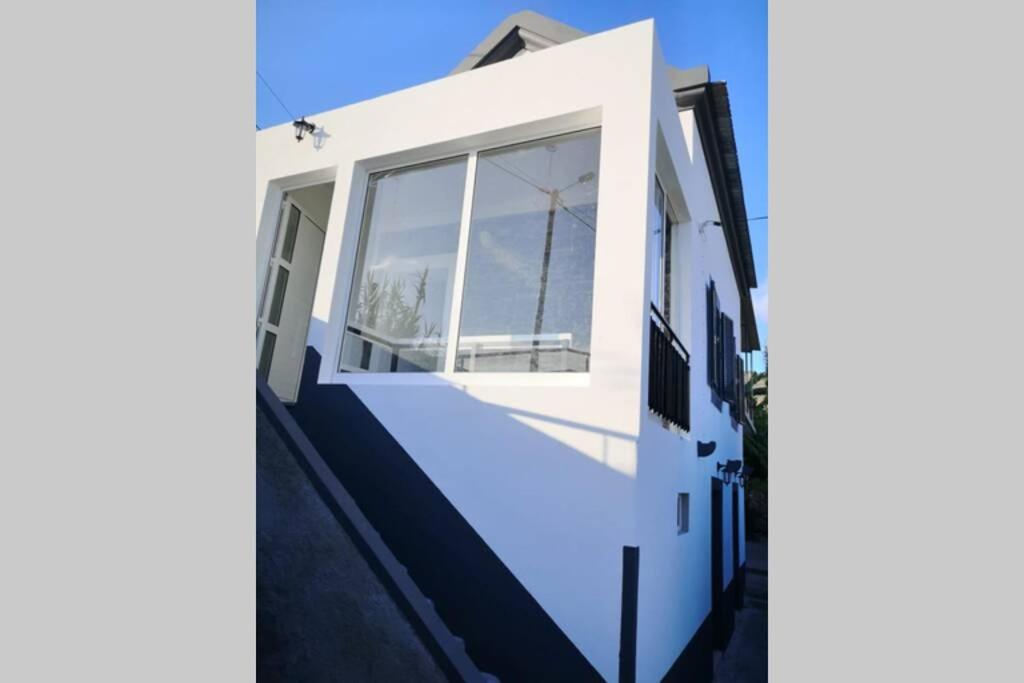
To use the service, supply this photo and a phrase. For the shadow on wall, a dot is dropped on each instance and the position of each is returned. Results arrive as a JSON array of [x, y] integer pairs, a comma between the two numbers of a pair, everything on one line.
[[320, 137], [516, 498], [317, 334]]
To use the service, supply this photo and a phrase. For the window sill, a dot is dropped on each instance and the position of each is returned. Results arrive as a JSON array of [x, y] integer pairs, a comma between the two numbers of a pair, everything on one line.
[[463, 379], [668, 426]]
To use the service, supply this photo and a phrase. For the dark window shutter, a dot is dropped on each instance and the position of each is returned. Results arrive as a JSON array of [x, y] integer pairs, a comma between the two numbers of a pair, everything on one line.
[[720, 352], [726, 371], [732, 355], [728, 353], [710, 290], [741, 384]]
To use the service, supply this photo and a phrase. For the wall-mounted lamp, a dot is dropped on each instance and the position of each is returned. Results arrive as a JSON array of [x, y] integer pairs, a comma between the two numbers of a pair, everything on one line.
[[302, 126], [729, 470]]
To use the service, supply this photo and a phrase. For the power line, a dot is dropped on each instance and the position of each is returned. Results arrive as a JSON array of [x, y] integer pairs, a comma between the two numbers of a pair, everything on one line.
[[758, 218], [513, 174], [279, 101], [575, 215], [535, 186]]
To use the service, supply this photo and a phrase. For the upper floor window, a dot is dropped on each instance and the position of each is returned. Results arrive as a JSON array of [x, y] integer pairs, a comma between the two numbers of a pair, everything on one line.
[[524, 301], [530, 272], [661, 253]]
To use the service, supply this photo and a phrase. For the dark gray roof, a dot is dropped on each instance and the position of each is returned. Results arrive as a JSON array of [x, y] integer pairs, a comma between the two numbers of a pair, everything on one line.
[[521, 30], [710, 102], [693, 89]]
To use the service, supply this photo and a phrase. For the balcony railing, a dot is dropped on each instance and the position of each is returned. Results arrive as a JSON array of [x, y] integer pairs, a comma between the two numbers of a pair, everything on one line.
[[668, 381]]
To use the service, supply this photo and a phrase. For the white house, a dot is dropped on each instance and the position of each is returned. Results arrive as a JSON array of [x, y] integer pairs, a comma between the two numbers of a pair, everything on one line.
[[509, 308]]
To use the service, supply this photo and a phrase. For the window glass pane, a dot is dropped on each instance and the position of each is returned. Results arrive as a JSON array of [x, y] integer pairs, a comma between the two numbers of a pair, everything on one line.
[[656, 282], [666, 265], [277, 303], [288, 248], [530, 271], [267, 354], [398, 315]]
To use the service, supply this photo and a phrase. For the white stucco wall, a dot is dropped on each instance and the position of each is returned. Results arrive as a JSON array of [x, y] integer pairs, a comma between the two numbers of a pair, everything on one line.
[[557, 474], [675, 569], [543, 468]]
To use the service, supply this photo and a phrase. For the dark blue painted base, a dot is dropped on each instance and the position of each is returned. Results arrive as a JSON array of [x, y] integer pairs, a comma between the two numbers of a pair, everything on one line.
[[506, 631], [726, 617], [741, 585], [696, 662]]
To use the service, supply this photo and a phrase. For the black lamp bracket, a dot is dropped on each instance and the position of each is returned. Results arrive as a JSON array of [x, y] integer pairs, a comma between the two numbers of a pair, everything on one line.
[[302, 126]]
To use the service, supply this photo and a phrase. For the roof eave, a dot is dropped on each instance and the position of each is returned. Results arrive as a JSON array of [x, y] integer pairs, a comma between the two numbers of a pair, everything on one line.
[[710, 104]]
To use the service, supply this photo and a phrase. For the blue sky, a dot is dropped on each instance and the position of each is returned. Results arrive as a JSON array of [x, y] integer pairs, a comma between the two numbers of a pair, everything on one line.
[[319, 55]]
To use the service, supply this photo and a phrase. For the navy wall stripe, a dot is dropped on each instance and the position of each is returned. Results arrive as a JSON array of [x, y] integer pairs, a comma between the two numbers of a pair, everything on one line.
[[627, 629], [506, 631], [695, 663]]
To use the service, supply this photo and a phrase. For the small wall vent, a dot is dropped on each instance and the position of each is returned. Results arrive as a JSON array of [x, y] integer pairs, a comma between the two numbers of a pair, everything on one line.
[[683, 513]]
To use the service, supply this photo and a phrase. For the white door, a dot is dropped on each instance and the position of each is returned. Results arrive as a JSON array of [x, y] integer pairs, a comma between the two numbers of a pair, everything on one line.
[[283, 324]]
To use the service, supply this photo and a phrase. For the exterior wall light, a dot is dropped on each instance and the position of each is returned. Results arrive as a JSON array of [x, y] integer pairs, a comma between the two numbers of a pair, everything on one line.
[[730, 470], [705, 448], [302, 126]]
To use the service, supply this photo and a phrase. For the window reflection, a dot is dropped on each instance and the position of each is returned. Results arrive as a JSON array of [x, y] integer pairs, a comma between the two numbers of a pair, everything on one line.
[[529, 280], [398, 314]]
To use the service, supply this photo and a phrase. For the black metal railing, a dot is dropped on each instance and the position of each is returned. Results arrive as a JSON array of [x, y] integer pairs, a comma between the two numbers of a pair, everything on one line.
[[668, 385]]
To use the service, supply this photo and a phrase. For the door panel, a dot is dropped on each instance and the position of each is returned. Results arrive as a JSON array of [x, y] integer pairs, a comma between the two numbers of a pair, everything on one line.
[[296, 310], [716, 561], [737, 573], [283, 325], [721, 603]]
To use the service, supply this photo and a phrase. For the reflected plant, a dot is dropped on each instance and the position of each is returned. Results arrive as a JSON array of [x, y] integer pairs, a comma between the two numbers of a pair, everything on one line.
[[382, 306], [368, 307]]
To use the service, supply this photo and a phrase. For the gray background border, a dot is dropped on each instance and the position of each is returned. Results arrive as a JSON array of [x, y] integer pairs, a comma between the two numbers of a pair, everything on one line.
[[126, 488]]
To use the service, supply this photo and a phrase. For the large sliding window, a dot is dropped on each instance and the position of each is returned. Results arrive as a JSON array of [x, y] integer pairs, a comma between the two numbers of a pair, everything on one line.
[[524, 299], [530, 273], [398, 314]]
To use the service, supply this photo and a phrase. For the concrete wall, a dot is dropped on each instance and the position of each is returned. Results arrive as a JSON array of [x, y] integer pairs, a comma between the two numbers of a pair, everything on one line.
[[542, 467], [556, 473]]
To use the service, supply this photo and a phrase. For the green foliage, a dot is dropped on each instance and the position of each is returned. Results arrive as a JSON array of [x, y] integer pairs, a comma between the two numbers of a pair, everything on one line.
[[755, 459], [382, 306]]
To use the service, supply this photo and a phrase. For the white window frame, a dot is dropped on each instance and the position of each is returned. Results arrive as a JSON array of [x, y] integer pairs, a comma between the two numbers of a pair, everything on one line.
[[448, 376], [682, 513], [669, 223], [656, 282]]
